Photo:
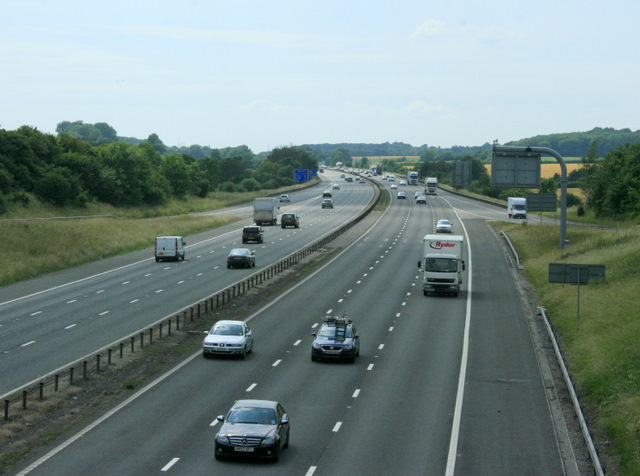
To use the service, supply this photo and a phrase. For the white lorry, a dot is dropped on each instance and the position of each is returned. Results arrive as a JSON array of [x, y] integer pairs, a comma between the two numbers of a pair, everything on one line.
[[431, 185], [169, 247], [442, 264], [265, 210], [412, 178], [517, 207]]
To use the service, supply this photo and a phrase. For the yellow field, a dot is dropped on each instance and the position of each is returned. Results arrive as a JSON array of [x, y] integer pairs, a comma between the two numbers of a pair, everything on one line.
[[548, 170]]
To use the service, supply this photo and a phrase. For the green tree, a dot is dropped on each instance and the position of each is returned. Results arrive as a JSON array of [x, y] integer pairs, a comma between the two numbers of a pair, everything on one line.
[[233, 169], [341, 155]]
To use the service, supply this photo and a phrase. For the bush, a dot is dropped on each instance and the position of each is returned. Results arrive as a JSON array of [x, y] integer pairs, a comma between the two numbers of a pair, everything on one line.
[[580, 212], [228, 187], [573, 200]]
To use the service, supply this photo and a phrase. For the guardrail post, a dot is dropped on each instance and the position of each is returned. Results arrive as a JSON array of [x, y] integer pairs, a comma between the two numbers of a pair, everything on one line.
[[6, 410], [169, 327], [41, 391], [24, 399], [70, 376], [109, 356], [121, 349], [133, 339], [84, 369], [142, 340], [160, 330], [150, 335], [98, 363], [56, 380]]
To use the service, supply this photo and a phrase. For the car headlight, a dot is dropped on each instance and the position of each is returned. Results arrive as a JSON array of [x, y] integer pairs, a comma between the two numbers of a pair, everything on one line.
[[269, 440], [316, 345], [347, 347], [222, 438]]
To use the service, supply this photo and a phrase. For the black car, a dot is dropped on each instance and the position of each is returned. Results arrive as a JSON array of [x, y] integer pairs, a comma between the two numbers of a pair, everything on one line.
[[252, 233], [336, 339], [253, 428], [289, 219], [241, 258]]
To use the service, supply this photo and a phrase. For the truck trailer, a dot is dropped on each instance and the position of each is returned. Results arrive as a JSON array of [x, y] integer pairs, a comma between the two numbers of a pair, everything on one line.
[[442, 264], [517, 207], [265, 210], [431, 186]]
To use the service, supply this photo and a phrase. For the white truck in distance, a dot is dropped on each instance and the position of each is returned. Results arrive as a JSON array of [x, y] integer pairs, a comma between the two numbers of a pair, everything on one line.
[[265, 210], [517, 207], [169, 247], [442, 264], [412, 178], [431, 185]]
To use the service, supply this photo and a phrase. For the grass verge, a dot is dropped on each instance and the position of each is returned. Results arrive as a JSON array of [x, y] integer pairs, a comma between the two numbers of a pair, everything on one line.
[[602, 343]]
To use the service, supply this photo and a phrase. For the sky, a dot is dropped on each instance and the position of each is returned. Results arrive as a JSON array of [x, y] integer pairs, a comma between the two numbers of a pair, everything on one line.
[[276, 73]]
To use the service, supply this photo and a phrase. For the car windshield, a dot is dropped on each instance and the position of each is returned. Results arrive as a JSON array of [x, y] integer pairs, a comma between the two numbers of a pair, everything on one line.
[[329, 332], [288, 216], [227, 330], [240, 253], [442, 265], [261, 416]]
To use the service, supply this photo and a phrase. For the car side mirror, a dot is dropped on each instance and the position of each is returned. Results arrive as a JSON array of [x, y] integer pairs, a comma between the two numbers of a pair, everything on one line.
[[220, 418], [206, 332], [285, 420], [419, 264], [314, 334]]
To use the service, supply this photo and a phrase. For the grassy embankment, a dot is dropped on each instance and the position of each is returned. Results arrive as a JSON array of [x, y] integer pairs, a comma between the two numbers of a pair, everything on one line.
[[602, 348], [34, 247]]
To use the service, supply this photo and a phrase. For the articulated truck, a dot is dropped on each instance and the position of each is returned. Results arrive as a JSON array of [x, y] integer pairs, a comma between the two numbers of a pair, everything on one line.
[[442, 264], [412, 178]]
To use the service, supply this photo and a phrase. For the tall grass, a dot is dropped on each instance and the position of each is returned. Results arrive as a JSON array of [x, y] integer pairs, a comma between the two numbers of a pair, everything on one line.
[[602, 347]]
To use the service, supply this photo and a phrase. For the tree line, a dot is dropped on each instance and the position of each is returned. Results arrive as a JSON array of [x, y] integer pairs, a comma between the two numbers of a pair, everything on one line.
[[64, 170]]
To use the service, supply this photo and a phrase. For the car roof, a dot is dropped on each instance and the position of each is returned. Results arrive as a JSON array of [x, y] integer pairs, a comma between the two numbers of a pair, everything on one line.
[[255, 403], [228, 322], [444, 220]]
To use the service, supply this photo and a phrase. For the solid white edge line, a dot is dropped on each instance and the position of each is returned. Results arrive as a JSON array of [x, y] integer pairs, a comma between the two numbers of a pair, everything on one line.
[[455, 425]]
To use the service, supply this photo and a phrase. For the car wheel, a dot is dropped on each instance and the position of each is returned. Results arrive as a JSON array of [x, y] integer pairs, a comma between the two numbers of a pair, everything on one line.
[[282, 226], [157, 259], [286, 443], [228, 266], [250, 348], [313, 358]]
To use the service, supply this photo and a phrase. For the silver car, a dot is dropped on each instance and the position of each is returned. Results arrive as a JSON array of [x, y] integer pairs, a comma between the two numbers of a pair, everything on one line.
[[443, 226], [228, 338]]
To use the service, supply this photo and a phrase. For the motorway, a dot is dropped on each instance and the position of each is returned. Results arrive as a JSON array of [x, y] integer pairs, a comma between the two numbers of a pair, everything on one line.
[[442, 386]]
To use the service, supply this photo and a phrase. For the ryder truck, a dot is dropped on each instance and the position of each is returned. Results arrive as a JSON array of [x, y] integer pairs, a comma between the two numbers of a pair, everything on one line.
[[442, 264]]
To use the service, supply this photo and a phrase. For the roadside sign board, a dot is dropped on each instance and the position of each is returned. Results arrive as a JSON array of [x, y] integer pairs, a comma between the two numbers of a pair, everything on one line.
[[541, 202], [301, 175], [579, 274], [515, 169]]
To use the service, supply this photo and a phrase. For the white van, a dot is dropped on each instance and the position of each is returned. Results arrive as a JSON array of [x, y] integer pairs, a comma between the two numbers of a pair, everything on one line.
[[169, 247]]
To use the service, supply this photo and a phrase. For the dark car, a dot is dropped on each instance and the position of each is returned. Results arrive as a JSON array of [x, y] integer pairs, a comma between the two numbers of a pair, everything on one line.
[[241, 258], [252, 233], [349, 179], [253, 428], [290, 219], [336, 339], [327, 203]]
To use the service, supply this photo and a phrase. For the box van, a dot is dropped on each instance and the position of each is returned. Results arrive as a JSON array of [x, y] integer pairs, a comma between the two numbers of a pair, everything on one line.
[[169, 247]]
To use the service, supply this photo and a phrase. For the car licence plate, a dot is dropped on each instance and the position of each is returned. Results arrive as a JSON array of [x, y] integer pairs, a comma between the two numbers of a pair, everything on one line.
[[244, 449], [332, 352]]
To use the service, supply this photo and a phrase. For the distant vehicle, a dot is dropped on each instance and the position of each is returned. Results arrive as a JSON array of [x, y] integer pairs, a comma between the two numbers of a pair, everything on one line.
[[342, 176], [403, 182], [253, 428], [394, 186], [289, 219], [231, 338], [241, 258], [421, 199], [327, 203], [402, 195], [285, 198], [391, 178], [442, 264], [431, 185], [327, 193], [417, 194], [443, 226], [169, 247], [265, 210], [412, 177], [349, 179], [336, 186], [336, 339], [252, 233], [361, 180], [517, 207]]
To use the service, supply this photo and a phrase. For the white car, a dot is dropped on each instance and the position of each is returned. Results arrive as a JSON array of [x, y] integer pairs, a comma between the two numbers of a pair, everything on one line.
[[228, 338], [285, 198], [394, 186], [336, 186], [403, 182], [443, 226]]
